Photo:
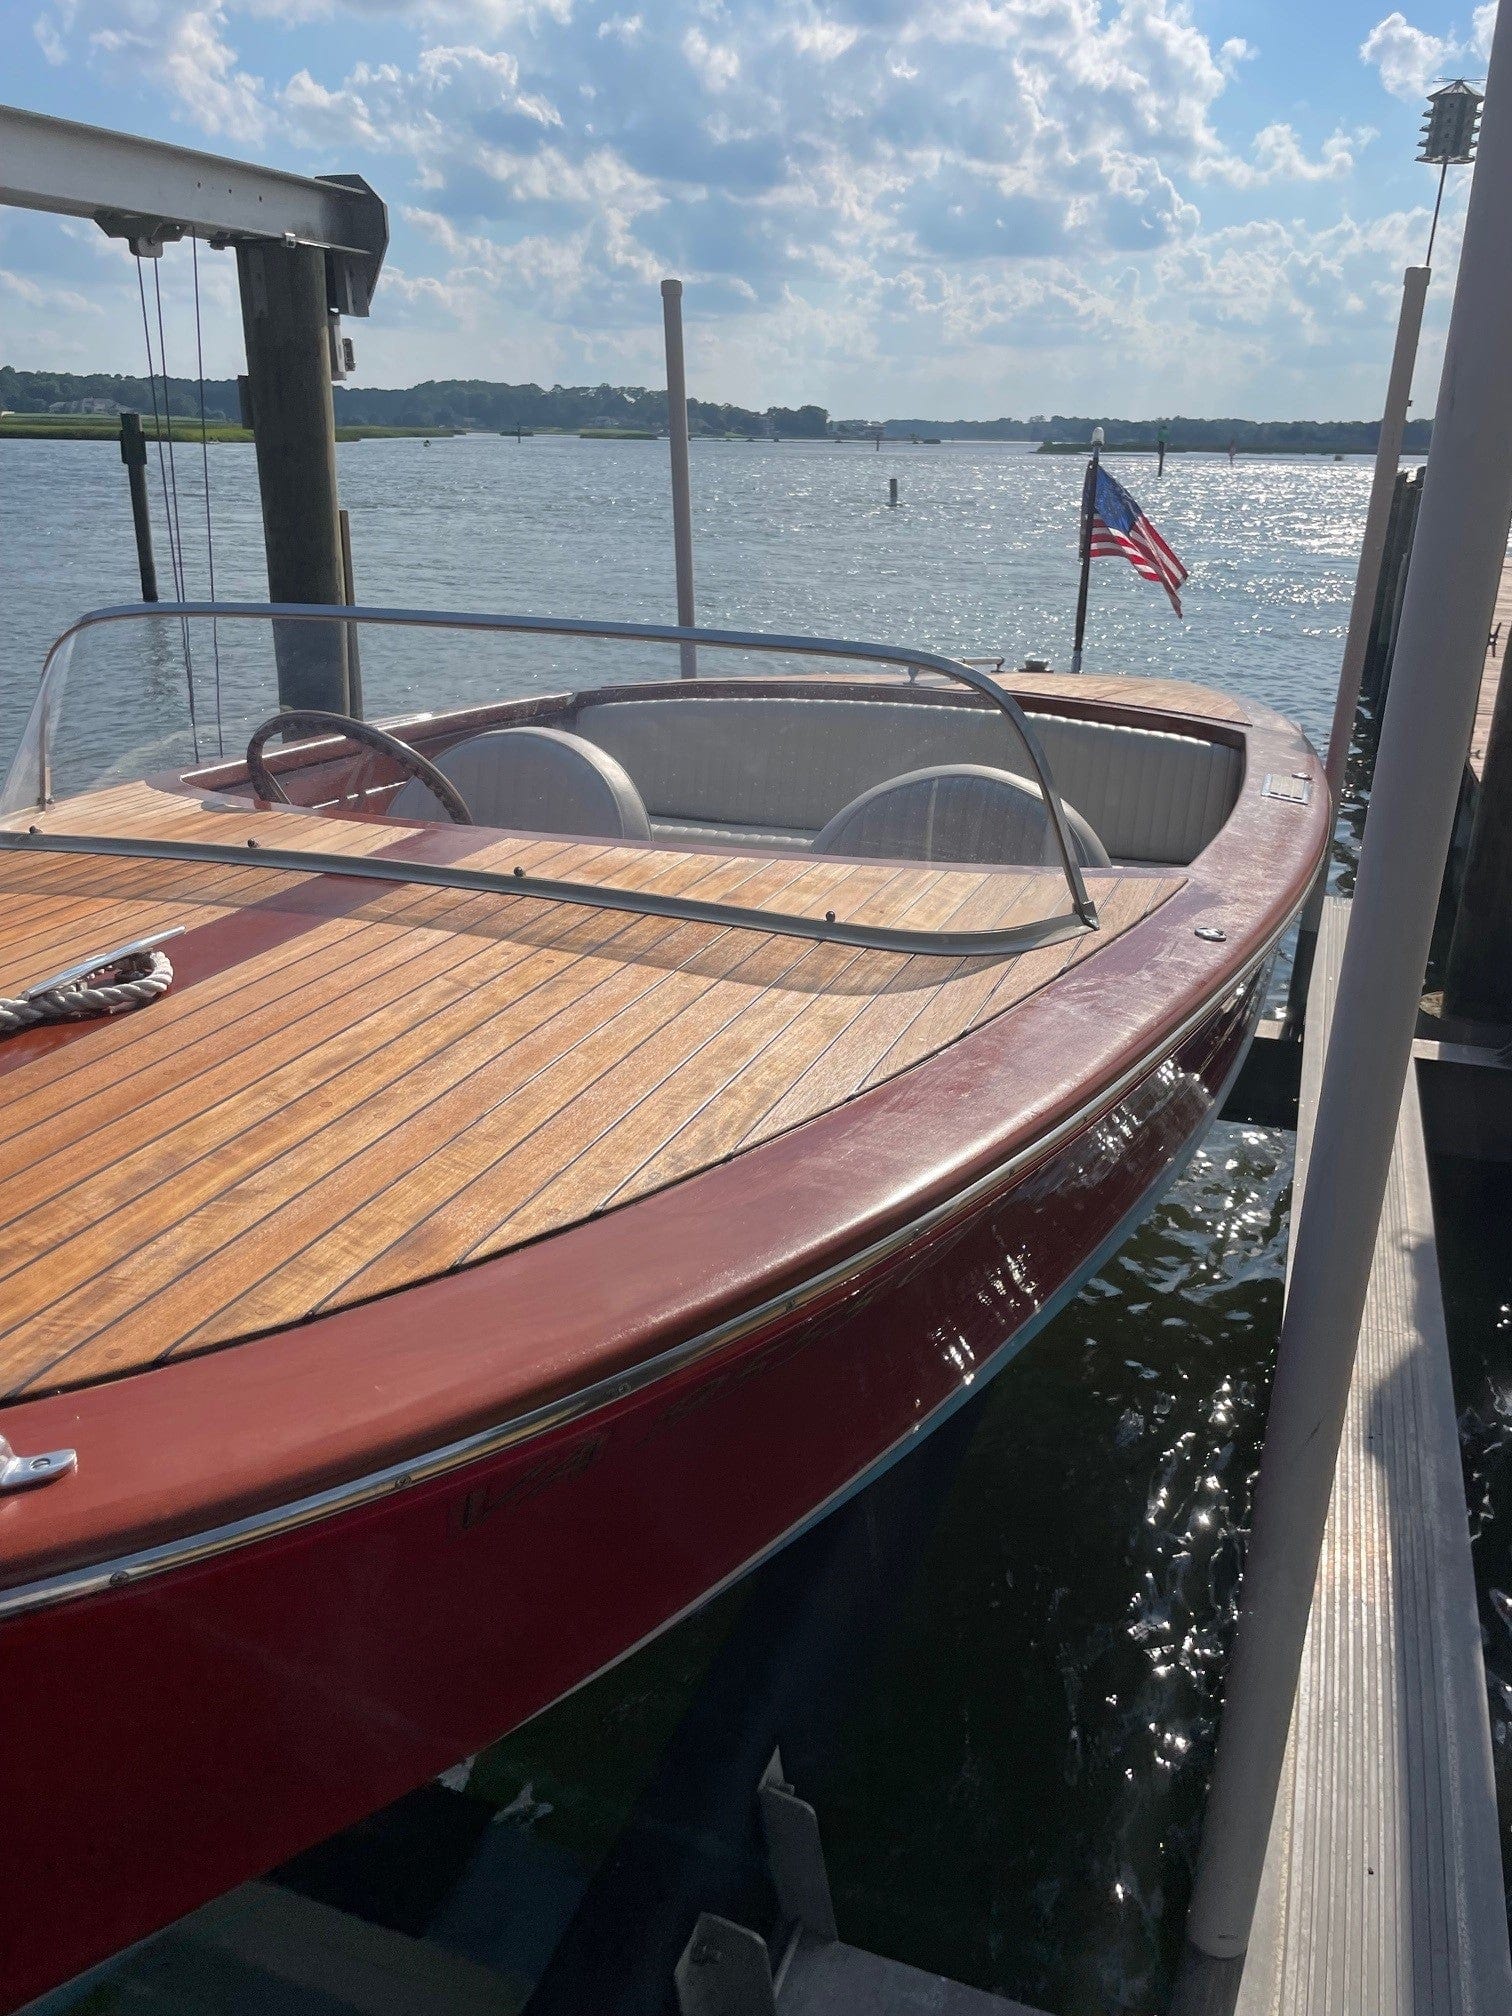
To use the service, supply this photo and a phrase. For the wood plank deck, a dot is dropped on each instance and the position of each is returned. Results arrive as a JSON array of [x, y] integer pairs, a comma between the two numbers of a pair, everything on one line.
[[357, 1085], [1382, 1893], [1501, 631]]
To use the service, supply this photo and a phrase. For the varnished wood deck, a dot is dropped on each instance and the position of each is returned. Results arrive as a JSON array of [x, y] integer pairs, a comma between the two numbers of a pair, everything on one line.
[[354, 1086], [1173, 696]]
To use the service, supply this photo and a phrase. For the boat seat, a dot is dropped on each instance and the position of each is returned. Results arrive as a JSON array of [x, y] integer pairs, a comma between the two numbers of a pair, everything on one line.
[[725, 767], [537, 779], [957, 812]]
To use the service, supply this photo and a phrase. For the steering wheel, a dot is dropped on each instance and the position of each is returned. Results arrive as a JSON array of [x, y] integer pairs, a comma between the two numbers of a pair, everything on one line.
[[314, 720]]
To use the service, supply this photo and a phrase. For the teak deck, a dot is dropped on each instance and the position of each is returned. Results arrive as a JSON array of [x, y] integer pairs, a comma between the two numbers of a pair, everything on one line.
[[352, 1086]]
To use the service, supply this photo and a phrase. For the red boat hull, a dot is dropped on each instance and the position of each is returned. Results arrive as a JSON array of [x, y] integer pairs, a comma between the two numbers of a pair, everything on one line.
[[175, 1737]]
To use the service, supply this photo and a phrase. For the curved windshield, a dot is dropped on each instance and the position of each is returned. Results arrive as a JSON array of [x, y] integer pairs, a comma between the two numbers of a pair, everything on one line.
[[832, 789]]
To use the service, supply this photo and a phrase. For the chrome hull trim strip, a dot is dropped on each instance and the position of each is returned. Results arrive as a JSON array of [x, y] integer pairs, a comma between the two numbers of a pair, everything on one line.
[[189, 1549]]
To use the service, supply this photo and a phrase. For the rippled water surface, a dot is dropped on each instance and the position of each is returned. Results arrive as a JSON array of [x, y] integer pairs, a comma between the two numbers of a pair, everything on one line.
[[979, 557], [1015, 1792]]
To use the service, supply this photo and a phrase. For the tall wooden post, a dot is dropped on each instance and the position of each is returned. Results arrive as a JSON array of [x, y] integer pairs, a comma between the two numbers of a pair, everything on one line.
[[1088, 513], [134, 455], [285, 317], [677, 437], [1478, 982], [349, 596]]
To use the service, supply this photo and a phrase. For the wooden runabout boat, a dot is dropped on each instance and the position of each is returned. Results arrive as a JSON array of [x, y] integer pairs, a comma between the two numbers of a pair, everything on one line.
[[590, 1130]]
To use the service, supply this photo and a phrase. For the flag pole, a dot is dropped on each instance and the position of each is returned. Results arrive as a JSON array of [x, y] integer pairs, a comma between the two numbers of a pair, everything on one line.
[[1089, 510]]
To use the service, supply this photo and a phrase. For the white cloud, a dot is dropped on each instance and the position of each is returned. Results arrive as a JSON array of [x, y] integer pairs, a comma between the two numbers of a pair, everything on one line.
[[1234, 52], [187, 48], [1277, 155], [717, 63], [1406, 57], [36, 294], [919, 183], [49, 41], [1411, 59], [823, 40]]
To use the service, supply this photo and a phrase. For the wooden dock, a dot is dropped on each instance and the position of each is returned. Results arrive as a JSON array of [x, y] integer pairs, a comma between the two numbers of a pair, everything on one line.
[[1383, 1889], [1496, 650]]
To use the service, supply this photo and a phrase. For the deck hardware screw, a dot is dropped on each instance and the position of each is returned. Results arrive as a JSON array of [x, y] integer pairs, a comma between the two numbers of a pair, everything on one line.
[[119, 1579], [519, 874], [34, 829], [1211, 933], [252, 843], [39, 1463], [829, 916]]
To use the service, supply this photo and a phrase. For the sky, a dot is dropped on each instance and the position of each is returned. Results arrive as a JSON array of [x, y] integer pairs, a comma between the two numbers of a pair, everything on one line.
[[939, 208]]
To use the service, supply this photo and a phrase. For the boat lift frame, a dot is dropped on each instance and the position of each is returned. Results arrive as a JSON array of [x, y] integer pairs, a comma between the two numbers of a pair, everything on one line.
[[160, 193], [308, 249]]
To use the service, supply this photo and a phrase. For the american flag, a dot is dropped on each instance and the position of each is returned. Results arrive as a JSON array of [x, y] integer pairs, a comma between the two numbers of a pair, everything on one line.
[[1120, 527]]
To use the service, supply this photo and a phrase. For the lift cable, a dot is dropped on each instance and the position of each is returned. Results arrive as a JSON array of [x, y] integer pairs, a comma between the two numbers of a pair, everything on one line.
[[199, 361], [174, 554]]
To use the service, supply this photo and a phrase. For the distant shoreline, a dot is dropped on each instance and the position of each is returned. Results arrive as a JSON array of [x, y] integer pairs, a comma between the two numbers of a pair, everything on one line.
[[1251, 448], [107, 427], [186, 432], [445, 406]]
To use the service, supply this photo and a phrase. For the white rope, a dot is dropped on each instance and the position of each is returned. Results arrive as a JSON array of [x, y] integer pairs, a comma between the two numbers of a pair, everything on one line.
[[143, 976]]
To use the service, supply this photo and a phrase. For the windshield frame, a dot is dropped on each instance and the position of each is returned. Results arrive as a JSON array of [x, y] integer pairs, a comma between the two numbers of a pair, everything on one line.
[[30, 770]]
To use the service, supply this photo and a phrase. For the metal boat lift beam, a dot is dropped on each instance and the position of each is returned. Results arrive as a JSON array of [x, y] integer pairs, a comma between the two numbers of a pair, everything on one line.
[[151, 193]]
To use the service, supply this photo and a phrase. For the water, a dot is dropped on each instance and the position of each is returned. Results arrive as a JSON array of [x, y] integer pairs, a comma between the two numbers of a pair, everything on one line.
[[1016, 1797], [979, 557]]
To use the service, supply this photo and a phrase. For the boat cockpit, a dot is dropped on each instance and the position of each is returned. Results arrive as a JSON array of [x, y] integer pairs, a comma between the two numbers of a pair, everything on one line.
[[632, 765]]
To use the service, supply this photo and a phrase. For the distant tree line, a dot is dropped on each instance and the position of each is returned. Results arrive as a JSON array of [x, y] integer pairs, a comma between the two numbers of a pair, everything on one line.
[[446, 402], [1348, 437], [481, 403], [36, 391]]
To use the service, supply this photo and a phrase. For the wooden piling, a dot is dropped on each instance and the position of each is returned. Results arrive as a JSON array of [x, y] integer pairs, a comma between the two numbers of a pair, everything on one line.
[[134, 455], [349, 596], [677, 436], [892, 489], [285, 316]]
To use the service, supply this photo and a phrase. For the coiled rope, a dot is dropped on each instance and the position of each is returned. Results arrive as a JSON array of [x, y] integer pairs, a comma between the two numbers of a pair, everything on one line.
[[135, 978]]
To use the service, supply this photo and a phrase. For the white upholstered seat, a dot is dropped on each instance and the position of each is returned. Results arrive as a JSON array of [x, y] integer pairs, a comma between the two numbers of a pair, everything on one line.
[[538, 780], [776, 768], [957, 812]]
